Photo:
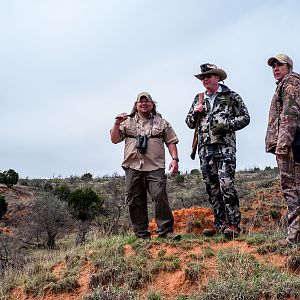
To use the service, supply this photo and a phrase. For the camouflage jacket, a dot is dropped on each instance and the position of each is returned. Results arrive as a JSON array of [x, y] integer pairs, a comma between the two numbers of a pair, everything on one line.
[[228, 109], [284, 115]]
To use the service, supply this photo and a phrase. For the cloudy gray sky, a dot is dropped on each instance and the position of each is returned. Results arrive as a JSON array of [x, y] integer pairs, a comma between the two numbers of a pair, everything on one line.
[[67, 67]]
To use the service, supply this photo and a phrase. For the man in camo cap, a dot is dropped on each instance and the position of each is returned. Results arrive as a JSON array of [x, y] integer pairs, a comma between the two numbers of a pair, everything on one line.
[[283, 138], [145, 133], [217, 114]]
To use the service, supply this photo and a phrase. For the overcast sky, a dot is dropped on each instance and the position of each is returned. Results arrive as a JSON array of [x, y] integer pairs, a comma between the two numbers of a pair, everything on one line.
[[67, 67]]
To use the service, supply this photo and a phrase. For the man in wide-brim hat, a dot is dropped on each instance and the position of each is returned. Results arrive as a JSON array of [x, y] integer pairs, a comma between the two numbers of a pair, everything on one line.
[[215, 115]]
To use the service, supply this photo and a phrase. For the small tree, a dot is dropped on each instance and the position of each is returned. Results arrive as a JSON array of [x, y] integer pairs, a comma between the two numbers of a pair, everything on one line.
[[2, 178], [87, 176], [195, 172], [9, 177], [178, 178], [48, 187], [3, 206], [48, 217], [62, 192], [11, 254], [115, 219], [85, 204]]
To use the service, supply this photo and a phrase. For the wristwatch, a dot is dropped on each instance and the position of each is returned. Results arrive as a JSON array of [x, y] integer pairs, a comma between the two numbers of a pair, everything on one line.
[[175, 158]]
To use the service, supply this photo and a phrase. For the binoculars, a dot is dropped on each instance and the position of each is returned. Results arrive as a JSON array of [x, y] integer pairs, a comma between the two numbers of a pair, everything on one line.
[[141, 143]]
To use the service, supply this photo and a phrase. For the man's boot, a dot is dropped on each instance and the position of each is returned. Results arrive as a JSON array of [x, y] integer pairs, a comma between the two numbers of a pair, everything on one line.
[[209, 232], [231, 232]]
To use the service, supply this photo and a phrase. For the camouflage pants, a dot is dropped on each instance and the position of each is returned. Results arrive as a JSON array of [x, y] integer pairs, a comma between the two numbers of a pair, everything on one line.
[[290, 184], [218, 164], [138, 183]]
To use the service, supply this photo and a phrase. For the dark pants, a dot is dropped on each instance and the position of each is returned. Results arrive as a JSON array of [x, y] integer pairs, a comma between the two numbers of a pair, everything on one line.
[[137, 185]]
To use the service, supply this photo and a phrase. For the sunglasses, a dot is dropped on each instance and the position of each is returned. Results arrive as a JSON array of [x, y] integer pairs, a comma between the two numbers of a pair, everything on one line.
[[206, 76]]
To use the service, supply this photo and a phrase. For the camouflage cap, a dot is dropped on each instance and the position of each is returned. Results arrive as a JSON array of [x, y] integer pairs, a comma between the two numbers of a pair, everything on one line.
[[282, 58], [211, 69], [144, 94]]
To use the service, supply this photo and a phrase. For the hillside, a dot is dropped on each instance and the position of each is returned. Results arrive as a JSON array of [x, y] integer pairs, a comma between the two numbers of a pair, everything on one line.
[[119, 266]]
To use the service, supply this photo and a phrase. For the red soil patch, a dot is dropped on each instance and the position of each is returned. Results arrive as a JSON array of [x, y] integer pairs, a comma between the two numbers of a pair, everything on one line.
[[83, 282], [128, 251], [170, 284], [58, 269], [189, 220]]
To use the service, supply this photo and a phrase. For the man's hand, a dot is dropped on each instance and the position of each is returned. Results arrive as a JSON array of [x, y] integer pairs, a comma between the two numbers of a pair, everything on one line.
[[120, 118], [220, 129], [198, 108], [173, 166], [282, 156]]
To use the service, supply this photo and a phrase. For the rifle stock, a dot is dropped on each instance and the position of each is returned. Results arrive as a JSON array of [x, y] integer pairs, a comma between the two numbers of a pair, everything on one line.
[[196, 133], [195, 143]]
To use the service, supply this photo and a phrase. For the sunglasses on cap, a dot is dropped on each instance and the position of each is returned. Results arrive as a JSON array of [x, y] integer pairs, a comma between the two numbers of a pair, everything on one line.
[[207, 67]]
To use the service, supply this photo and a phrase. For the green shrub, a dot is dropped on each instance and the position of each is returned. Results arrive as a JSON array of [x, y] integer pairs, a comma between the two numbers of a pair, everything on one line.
[[9, 177], [178, 178], [192, 271], [2, 178], [48, 186], [62, 192], [275, 214], [240, 276], [154, 295], [85, 204], [3, 206], [195, 172], [87, 176]]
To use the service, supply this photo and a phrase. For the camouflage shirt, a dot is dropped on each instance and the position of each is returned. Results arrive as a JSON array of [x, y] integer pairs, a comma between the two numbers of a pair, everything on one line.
[[228, 109], [284, 115]]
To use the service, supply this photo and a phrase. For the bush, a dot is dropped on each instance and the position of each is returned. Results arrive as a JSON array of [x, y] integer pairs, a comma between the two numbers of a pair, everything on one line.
[[2, 178], [62, 192], [87, 176], [178, 178], [48, 186], [3, 206], [85, 204], [9, 177], [195, 172]]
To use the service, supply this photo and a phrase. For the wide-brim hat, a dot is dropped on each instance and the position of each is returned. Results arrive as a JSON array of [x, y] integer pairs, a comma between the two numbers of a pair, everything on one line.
[[211, 69], [282, 58]]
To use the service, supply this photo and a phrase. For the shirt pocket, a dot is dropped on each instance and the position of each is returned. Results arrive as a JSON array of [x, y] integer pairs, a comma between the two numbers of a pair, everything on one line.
[[156, 132], [131, 132]]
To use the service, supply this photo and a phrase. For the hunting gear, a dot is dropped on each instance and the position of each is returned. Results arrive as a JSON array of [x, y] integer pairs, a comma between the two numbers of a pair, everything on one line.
[[215, 119], [283, 138], [195, 137], [146, 133]]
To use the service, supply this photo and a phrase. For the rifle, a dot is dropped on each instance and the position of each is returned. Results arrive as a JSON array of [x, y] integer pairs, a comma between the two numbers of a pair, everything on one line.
[[196, 133]]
